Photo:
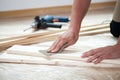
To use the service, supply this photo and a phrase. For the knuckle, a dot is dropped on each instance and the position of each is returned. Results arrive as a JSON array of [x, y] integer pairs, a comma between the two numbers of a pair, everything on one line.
[[97, 55], [101, 57], [92, 51], [63, 38]]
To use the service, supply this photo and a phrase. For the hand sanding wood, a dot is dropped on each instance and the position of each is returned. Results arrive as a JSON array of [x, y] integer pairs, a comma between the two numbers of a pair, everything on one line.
[[35, 51]]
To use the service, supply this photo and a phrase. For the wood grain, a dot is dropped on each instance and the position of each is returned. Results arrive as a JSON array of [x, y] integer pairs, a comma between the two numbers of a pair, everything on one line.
[[55, 59], [34, 34], [38, 39]]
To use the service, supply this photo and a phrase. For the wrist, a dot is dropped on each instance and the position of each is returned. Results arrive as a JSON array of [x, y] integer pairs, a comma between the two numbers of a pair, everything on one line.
[[74, 30]]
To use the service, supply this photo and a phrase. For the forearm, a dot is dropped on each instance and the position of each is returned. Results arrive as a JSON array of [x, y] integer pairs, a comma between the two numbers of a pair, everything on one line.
[[79, 9], [118, 43]]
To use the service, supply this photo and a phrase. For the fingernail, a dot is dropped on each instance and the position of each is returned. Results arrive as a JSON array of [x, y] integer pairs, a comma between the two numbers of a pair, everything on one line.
[[50, 49], [55, 51]]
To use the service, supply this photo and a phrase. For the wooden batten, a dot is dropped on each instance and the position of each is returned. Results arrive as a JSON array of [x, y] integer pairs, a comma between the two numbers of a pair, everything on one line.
[[54, 59], [26, 39]]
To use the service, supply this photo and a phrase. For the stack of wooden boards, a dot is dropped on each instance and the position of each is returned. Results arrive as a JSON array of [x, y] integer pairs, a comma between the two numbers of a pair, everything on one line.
[[39, 37], [35, 55]]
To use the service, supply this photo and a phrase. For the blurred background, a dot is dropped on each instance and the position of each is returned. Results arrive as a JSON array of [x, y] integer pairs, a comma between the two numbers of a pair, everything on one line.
[[8, 5]]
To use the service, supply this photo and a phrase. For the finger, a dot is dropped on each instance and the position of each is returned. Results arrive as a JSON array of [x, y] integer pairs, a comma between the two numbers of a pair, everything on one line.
[[60, 47], [99, 59], [88, 53], [91, 52], [54, 45], [94, 57]]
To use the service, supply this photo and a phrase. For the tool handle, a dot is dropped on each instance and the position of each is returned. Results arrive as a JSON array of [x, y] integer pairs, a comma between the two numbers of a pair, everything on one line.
[[53, 25], [63, 19]]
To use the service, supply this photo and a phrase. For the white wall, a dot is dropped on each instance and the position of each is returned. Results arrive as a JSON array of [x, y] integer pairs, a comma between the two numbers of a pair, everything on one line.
[[8, 5]]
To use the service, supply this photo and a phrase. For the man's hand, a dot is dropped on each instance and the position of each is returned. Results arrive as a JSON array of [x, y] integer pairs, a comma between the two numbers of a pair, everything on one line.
[[69, 37], [99, 54]]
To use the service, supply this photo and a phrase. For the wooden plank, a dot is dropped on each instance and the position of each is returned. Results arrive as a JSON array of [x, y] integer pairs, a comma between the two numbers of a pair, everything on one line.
[[36, 51], [56, 59], [31, 35], [69, 63], [49, 38], [94, 32], [46, 38], [83, 29], [38, 39]]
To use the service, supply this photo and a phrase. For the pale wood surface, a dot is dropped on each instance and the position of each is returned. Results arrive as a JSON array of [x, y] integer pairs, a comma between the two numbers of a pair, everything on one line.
[[41, 52], [34, 34], [33, 38], [106, 70]]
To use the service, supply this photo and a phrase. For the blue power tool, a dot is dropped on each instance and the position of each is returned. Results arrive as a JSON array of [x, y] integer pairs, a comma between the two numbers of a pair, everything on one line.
[[51, 19], [47, 21]]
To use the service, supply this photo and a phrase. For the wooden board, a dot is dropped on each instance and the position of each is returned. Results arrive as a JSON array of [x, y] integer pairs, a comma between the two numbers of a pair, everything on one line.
[[36, 38], [31, 55], [48, 32]]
